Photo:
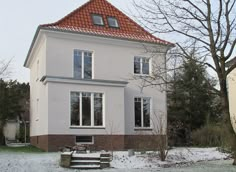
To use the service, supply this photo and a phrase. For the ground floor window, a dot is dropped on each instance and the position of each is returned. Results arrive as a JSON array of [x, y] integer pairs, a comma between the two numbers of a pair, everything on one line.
[[142, 108], [84, 139], [87, 109]]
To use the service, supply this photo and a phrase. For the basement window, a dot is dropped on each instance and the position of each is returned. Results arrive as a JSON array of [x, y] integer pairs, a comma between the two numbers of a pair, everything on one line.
[[112, 22], [97, 19], [84, 139]]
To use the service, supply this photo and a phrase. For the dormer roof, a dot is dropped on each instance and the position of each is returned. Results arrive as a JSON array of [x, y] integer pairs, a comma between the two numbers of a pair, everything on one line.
[[80, 20]]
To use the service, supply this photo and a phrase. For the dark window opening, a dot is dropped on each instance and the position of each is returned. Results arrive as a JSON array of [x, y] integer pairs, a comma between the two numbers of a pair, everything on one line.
[[97, 20], [112, 22], [142, 112], [84, 139]]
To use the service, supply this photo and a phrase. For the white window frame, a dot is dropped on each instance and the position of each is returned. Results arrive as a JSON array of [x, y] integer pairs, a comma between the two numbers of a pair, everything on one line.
[[98, 24], [82, 61], [116, 22], [141, 65], [142, 116], [92, 110]]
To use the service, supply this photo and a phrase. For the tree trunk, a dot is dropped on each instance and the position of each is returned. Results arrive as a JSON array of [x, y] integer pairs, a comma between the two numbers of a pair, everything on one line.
[[231, 135], [2, 138]]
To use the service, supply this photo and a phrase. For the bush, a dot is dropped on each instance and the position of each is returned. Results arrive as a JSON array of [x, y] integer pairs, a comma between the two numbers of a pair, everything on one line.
[[208, 136]]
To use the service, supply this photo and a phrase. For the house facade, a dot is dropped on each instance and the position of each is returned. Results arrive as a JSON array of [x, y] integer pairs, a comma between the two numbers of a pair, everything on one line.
[[83, 87], [231, 81]]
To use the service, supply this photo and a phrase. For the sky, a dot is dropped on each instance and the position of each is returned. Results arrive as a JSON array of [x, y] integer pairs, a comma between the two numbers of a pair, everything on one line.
[[20, 19]]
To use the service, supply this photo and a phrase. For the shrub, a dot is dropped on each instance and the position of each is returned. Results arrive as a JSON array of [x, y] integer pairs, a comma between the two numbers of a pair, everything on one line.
[[209, 135]]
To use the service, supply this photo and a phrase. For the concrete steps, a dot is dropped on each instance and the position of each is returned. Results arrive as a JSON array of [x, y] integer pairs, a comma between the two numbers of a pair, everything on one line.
[[86, 161]]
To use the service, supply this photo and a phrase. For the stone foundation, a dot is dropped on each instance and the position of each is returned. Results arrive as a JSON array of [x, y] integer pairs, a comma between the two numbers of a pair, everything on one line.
[[52, 143]]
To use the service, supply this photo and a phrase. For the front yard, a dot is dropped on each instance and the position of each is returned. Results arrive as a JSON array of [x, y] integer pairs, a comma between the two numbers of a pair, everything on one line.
[[179, 160]]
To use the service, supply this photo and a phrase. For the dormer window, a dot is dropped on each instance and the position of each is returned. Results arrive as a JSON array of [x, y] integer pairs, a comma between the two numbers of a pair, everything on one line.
[[112, 22], [97, 19]]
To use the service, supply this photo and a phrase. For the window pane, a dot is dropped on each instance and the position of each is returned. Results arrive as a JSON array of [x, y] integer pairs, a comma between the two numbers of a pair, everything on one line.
[[86, 109], [145, 66], [77, 64], [87, 65], [146, 112], [84, 139], [98, 109], [75, 109], [112, 22], [137, 65], [137, 107], [97, 20]]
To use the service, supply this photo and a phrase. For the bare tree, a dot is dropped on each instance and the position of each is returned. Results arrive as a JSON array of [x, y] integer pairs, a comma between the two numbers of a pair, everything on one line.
[[4, 68], [111, 131], [159, 123], [211, 24]]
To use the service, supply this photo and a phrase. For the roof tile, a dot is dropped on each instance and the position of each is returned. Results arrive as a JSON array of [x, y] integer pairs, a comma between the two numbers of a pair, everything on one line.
[[80, 20]]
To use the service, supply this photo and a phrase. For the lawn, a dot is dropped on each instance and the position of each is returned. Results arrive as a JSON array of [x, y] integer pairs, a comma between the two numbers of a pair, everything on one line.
[[25, 149], [178, 160]]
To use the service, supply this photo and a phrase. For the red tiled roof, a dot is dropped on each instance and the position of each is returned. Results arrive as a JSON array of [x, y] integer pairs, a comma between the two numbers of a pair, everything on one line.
[[80, 20]]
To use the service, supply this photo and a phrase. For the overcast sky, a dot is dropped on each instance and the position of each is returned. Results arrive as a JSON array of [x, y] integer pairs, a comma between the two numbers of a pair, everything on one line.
[[19, 20]]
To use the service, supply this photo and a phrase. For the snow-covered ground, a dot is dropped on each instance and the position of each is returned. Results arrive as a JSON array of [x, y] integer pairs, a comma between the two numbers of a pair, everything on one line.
[[176, 157], [49, 162]]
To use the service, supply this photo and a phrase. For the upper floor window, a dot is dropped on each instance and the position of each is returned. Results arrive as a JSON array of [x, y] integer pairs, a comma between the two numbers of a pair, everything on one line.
[[82, 64], [87, 109], [112, 22], [141, 65], [97, 19], [142, 111]]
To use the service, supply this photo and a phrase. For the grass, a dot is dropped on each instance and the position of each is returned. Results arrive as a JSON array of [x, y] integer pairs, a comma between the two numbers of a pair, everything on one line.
[[25, 149]]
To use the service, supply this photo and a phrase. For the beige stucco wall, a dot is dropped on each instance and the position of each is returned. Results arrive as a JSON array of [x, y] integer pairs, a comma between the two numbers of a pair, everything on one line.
[[59, 109], [11, 129], [112, 60], [38, 91], [232, 96]]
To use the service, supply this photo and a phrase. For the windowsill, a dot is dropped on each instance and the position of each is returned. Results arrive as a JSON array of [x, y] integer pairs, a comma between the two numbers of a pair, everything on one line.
[[85, 143], [137, 74], [87, 127], [143, 128]]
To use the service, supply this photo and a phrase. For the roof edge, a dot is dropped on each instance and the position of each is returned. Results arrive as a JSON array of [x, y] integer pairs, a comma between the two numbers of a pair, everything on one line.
[[123, 13], [32, 45], [104, 36]]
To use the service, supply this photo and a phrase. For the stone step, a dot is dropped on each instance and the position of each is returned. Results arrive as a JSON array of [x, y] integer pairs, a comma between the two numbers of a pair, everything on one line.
[[82, 161], [85, 162], [91, 155], [86, 158], [85, 166]]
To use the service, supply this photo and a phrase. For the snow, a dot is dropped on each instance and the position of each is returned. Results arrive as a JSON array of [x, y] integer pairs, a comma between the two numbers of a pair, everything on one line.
[[176, 157], [48, 162], [93, 155]]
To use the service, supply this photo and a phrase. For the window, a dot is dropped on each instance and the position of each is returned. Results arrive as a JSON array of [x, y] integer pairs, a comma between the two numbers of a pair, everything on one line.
[[141, 65], [97, 19], [142, 112], [82, 64], [84, 139], [112, 22], [87, 109]]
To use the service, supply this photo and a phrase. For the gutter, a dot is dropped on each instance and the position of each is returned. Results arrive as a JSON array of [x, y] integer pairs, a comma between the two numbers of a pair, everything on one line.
[[40, 27], [69, 80], [32, 45]]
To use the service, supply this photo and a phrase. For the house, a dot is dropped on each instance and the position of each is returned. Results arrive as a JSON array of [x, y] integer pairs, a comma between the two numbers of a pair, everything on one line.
[[82, 91], [11, 129], [231, 82]]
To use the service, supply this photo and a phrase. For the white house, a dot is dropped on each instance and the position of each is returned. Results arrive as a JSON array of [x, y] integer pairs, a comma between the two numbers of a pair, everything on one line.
[[231, 82], [81, 88]]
